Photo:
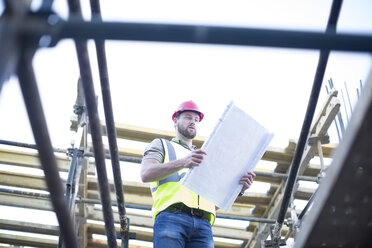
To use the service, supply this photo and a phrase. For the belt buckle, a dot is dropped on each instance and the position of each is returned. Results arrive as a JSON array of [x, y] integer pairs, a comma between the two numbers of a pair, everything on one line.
[[196, 212]]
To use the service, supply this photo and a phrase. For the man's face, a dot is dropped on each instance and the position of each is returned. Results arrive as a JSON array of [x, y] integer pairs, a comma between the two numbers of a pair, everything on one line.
[[186, 124]]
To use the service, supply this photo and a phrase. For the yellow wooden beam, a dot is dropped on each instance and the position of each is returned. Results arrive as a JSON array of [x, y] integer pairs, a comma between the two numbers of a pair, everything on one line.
[[22, 226], [25, 202], [29, 159], [139, 188], [145, 221], [273, 154], [27, 241], [136, 133]]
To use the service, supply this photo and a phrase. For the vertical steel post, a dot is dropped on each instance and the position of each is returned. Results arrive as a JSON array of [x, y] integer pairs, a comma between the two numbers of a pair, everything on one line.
[[39, 127], [96, 132], [110, 126], [318, 79]]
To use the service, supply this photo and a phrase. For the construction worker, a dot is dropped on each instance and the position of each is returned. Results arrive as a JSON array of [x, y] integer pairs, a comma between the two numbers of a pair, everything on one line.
[[182, 218]]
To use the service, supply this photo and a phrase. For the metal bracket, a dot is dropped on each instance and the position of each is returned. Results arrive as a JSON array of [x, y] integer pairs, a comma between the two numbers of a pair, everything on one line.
[[79, 152], [275, 241]]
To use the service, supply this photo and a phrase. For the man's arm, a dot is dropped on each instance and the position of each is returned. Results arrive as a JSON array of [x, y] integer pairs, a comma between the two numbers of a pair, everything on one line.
[[153, 170]]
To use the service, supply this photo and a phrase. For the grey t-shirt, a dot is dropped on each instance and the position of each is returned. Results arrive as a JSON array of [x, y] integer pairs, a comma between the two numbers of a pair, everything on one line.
[[155, 149]]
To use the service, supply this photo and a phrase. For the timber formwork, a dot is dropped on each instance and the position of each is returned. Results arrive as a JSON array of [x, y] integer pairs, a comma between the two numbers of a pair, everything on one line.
[[252, 206]]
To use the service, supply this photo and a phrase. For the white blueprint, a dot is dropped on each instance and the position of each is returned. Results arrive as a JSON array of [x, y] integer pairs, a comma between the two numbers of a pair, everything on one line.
[[235, 146]]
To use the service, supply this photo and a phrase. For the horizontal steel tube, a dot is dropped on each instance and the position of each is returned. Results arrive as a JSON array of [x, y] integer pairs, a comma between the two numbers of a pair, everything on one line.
[[94, 201], [217, 35], [25, 145], [284, 176]]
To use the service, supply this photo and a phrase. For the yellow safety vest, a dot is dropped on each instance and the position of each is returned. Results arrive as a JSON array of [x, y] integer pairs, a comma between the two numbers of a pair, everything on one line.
[[169, 190]]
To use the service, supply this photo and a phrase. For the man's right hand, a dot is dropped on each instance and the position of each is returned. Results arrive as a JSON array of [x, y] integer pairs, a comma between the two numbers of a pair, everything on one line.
[[194, 158]]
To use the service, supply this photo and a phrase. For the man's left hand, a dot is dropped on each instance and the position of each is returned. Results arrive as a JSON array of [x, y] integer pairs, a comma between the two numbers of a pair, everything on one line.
[[247, 181]]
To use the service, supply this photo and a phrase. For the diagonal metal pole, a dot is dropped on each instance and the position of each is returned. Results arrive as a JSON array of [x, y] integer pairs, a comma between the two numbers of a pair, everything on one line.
[[96, 132], [35, 112], [110, 126], [72, 181], [318, 79]]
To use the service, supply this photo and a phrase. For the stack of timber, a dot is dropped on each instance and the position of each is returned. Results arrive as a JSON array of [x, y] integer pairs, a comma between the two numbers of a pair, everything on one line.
[[89, 217]]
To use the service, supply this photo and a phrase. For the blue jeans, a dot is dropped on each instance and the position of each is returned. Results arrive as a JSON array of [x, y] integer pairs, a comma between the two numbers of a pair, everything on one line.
[[181, 230]]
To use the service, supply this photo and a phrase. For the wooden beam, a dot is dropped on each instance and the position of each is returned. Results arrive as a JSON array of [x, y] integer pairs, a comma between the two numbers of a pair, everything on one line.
[[97, 243], [273, 154], [16, 179], [103, 244], [27, 241], [147, 221], [25, 202], [22, 226], [241, 208], [143, 189], [136, 133], [29, 159]]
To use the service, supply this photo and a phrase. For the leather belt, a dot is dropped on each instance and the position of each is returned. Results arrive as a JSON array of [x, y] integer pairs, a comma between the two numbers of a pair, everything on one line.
[[180, 207]]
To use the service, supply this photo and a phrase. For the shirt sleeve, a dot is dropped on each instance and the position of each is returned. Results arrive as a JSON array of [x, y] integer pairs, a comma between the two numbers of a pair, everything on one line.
[[155, 150]]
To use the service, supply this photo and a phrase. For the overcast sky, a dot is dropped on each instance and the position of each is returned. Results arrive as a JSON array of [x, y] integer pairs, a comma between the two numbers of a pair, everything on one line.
[[149, 80]]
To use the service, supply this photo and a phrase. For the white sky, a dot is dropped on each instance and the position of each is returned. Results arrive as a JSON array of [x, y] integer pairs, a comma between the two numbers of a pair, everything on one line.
[[149, 80]]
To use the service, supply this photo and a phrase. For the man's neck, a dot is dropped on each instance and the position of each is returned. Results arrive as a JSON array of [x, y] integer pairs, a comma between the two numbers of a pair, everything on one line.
[[184, 139]]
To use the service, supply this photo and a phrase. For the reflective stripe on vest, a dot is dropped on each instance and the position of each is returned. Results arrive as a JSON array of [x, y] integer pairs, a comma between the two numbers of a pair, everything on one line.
[[175, 177], [169, 190], [172, 178]]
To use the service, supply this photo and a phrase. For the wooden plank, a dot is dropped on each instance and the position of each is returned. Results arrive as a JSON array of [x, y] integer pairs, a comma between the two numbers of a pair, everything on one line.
[[142, 134], [147, 221], [97, 243], [135, 193], [103, 244], [272, 154], [241, 208], [27, 241], [25, 202], [22, 180], [22, 226], [235, 210], [29, 159], [142, 189]]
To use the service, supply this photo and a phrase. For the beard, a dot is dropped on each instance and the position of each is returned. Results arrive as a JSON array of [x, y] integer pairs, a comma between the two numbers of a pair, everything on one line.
[[185, 132]]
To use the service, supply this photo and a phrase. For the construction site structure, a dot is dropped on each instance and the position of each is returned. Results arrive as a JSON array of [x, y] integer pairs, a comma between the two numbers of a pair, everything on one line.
[[337, 213]]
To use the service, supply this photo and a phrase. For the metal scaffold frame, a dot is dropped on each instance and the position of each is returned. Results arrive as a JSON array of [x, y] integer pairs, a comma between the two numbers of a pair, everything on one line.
[[21, 32]]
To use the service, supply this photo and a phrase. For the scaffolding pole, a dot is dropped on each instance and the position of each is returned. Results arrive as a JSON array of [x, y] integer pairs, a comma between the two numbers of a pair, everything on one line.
[[75, 28], [314, 95], [90, 98], [39, 127], [110, 127]]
